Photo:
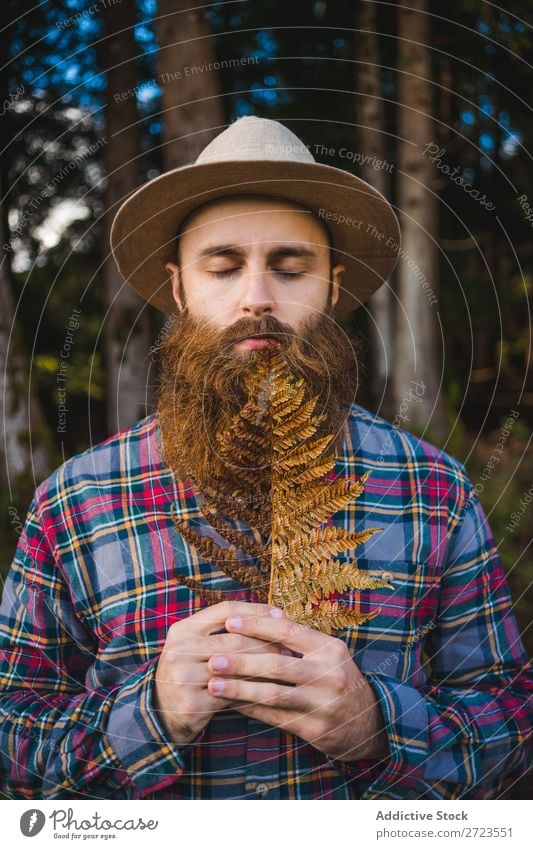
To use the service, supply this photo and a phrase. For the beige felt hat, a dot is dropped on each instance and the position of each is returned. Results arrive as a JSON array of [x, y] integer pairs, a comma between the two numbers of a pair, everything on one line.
[[257, 156]]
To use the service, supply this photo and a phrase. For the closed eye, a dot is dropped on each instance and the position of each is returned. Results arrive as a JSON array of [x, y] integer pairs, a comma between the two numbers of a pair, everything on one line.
[[228, 272], [290, 273]]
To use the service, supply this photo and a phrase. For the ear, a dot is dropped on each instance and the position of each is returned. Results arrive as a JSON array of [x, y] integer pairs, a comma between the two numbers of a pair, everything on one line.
[[336, 274], [174, 271]]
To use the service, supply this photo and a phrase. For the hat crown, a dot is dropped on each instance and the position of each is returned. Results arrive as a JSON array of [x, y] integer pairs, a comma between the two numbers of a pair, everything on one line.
[[252, 138]]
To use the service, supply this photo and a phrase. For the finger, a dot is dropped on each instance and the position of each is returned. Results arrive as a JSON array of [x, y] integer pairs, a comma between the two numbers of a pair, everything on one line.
[[232, 644], [278, 696], [278, 628], [213, 616], [188, 674], [204, 647], [289, 722], [204, 703], [273, 666]]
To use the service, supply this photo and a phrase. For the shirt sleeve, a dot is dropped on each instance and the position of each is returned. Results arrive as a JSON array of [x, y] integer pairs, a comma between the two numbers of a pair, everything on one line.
[[468, 730], [60, 738]]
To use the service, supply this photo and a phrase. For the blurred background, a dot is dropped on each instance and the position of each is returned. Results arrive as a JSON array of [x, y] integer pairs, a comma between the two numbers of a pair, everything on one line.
[[428, 101]]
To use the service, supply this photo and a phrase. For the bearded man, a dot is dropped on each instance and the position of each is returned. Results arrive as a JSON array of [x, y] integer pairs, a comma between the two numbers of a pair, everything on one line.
[[117, 680]]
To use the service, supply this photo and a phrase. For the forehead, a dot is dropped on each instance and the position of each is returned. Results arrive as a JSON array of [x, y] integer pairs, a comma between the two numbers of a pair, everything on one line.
[[252, 218]]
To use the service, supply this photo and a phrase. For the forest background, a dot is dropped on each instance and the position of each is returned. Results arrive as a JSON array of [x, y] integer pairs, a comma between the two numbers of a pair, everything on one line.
[[428, 101]]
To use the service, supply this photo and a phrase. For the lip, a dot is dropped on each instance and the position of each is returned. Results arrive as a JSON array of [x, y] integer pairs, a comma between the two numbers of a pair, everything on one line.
[[252, 343]]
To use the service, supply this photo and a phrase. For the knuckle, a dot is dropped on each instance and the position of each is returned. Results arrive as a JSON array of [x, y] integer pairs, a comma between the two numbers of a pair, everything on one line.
[[278, 668], [290, 629], [224, 608], [169, 656], [308, 669], [316, 732], [288, 667], [283, 698], [211, 643], [237, 642], [232, 605], [294, 628], [339, 680], [339, 648], [174, 630], [323, 728], [329, 712]]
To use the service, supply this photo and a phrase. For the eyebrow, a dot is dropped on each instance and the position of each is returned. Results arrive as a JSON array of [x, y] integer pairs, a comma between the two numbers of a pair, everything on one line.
[[276, 253]]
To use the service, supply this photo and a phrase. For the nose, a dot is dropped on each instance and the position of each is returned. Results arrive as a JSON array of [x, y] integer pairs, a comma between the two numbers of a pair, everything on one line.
[[256, 296]]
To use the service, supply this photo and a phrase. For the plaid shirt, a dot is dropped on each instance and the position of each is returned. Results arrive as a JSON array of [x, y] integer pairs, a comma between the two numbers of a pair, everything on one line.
[[93, 590]]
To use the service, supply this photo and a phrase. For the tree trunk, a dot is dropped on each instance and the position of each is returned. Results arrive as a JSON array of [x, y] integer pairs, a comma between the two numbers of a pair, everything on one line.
[[127, 323], [25, 443], [372, 140], [26, 447], [416, 373], [192, 110]]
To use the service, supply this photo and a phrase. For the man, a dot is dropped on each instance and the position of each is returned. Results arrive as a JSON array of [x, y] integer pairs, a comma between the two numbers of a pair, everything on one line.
[[117, 681]]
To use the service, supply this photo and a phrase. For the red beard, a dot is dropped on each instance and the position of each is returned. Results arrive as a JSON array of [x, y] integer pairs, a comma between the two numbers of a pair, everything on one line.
[[202, 382]]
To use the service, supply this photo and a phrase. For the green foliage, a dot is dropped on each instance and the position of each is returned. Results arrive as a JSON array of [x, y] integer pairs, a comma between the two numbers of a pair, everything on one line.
[[499, 467]]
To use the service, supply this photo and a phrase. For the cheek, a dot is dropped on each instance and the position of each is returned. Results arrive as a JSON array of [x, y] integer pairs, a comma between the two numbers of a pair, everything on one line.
[[306, 302], [207, 301]]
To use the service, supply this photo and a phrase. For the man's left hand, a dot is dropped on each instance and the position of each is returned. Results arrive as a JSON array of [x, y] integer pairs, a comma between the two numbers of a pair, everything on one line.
[[320, 696]]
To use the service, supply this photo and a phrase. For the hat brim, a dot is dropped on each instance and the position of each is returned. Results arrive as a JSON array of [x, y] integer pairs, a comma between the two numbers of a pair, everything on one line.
[[363, 226]]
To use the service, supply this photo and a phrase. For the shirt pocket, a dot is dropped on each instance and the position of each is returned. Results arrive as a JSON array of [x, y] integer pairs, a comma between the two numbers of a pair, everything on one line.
[[392, 641]]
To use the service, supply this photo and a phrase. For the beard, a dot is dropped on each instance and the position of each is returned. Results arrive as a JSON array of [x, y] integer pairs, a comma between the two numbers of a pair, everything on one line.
[[202, 382]]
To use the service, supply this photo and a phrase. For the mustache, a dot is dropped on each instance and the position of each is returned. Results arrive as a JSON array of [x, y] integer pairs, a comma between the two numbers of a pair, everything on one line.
[[267, 325], [195, 351]]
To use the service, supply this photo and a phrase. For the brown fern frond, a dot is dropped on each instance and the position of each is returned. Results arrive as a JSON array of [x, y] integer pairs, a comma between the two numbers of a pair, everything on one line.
[[329, 616], [235, 505], [350, 539], [314, 505], [302, 417], [215, 596], [294, 438], [235, 537], [285, 402], [205, 545], [247, 474], [292, 523], [318, 495], [320, 577], [248, 441], [295, 477], [226, 559], [325, 542], [302, 455], [206, 594], [274, 480]]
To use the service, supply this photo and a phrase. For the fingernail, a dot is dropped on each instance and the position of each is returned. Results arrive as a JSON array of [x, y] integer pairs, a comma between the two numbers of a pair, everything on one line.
[[217, 685], [235, 621], [219, 662], [276, 612]]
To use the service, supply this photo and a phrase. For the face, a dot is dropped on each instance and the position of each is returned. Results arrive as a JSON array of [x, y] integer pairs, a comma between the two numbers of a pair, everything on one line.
[[251, 272], [248, 257]]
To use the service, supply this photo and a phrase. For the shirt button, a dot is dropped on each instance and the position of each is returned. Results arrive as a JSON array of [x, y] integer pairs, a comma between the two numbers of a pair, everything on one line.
[[387, 576], [262, 790]]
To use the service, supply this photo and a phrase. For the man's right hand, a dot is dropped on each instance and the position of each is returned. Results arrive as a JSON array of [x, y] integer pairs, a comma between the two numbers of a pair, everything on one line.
[[181, 698]]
